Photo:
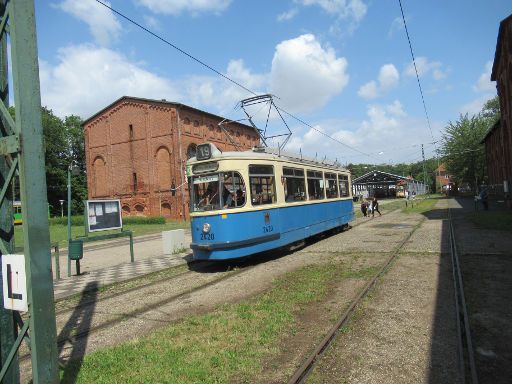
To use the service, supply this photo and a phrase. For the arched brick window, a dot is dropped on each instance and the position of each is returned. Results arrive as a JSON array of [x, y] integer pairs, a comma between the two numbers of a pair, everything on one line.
[[166, 209], [126, 210], [163, 166], [100, 177], [139, 210], [191, 150]]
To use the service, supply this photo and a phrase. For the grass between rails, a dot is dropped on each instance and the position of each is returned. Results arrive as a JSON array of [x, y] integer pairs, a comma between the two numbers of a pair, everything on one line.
[[59, 233], [227, 344]]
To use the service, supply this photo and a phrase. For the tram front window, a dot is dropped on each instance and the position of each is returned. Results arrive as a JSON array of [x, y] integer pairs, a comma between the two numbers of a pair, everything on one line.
[[217, 191]]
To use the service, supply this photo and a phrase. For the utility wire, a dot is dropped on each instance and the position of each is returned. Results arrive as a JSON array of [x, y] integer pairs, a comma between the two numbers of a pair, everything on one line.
[[226, 77], [416, 70]]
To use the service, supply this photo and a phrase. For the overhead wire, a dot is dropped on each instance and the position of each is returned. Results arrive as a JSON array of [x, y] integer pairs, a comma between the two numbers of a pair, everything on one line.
[[226, 77]]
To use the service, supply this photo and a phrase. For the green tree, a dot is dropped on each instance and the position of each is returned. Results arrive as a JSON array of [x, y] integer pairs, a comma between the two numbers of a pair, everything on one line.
[[462, 151], [63, 145]]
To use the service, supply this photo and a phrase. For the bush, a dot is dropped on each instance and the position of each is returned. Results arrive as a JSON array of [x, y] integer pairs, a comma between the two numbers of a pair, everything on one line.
[[79, 220], [143, 220], [75, 221]]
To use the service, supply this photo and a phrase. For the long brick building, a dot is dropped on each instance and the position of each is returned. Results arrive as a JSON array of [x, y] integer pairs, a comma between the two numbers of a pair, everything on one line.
[[136, 150], [498, 140]]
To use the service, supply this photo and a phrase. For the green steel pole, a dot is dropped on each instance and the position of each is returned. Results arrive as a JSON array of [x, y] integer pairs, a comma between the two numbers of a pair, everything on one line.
[[7, 336], [36, 235]]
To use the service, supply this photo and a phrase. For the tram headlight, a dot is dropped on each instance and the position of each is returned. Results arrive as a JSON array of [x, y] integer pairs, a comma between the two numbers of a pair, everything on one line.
[[206, 228]]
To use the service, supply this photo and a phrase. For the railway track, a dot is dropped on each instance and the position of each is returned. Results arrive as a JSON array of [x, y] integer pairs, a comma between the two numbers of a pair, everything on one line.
[[308, 365], [467, 365]]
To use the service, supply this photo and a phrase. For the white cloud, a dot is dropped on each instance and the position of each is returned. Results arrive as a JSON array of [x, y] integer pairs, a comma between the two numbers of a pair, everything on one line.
[[176, 7], [152, 22], [101, 21], [306, 75], [387, 134], [285, 16], [388, 79], [353, 9], [396, 25], [348, 13], [424, 67], [87, 78], [474, 107], [484, 83], [209, 91]]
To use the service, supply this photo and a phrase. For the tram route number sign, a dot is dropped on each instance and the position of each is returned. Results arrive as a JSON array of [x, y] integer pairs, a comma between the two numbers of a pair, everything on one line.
[[103, 215], [203, 152]]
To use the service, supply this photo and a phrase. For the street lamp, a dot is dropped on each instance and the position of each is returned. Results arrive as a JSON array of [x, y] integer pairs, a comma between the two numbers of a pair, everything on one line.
[[61, 208]]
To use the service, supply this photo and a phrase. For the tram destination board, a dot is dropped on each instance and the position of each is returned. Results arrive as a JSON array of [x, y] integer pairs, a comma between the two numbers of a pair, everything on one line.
[[103, 215]]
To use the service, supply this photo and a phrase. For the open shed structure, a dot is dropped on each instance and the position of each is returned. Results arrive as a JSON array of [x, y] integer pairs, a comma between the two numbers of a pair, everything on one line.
[[383, 184]]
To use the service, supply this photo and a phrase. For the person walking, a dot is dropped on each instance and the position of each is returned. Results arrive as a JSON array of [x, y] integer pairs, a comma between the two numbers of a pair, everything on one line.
[[375, 206], [364, 208]]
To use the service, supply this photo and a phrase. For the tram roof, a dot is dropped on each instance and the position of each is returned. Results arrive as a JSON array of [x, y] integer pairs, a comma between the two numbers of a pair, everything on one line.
[[265, 153]]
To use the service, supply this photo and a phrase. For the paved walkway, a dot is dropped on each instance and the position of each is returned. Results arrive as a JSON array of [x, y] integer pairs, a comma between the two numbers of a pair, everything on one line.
[[109, 262]]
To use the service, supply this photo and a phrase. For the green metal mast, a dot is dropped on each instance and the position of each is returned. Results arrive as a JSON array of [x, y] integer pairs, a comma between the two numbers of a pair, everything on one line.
[[22, 147], [7, 335]]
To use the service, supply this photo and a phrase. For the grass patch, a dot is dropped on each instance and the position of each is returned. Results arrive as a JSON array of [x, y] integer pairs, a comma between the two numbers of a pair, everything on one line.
[[59, 233], [420, 205], [496, 220], [227, 344]]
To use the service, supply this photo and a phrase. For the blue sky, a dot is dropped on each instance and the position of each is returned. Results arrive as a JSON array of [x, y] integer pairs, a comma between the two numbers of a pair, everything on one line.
[[342, 66]]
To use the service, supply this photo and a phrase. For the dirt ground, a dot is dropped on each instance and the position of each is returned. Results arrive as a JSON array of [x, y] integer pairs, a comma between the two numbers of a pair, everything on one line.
[[404, 333]]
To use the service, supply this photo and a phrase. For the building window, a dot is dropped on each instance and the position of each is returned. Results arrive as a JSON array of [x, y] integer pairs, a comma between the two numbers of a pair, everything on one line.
[[131, 131], [191, 151], [186, 121], [134, 182]]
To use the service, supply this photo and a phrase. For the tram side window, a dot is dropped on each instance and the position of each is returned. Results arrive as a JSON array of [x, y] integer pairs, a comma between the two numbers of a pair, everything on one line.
[[294, 185], [233, 195], [204, 195], [262, 183], [344, 191], [316, 185], [332, 185]]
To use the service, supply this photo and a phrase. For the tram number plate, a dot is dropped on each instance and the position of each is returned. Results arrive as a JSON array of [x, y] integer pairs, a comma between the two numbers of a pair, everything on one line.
[[207, 236], [268, 228]]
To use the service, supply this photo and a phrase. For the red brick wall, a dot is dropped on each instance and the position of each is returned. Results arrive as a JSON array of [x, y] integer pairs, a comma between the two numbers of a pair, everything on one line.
[[147, 142], [498, 144]]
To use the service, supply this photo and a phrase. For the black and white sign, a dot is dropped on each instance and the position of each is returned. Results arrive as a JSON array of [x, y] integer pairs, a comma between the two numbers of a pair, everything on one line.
[[14, 282], [103, 215]]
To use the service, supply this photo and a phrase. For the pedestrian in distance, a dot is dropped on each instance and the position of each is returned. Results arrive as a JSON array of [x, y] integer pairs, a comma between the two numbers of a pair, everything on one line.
[[364, 208], [375, 207], [484, 197], [370, 208]]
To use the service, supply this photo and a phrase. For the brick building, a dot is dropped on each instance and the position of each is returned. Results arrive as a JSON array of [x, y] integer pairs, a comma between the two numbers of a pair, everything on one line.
[[498, 140], [136, 150], [444, 182]]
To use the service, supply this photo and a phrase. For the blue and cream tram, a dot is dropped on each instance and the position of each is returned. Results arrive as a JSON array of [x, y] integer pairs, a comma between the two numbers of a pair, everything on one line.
[[243, 203]]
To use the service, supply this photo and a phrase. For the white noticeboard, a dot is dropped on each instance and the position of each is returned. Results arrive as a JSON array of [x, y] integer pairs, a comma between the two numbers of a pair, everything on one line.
[[14, 282], [103, 215]]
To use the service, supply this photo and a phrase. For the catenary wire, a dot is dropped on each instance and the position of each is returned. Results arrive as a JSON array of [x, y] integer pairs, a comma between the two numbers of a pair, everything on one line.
[[226, 77]]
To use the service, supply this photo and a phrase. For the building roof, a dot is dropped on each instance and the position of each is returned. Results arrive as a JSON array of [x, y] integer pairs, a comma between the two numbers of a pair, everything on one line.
[[164, 102], [379, 177], [496, 125], [505, 23]]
